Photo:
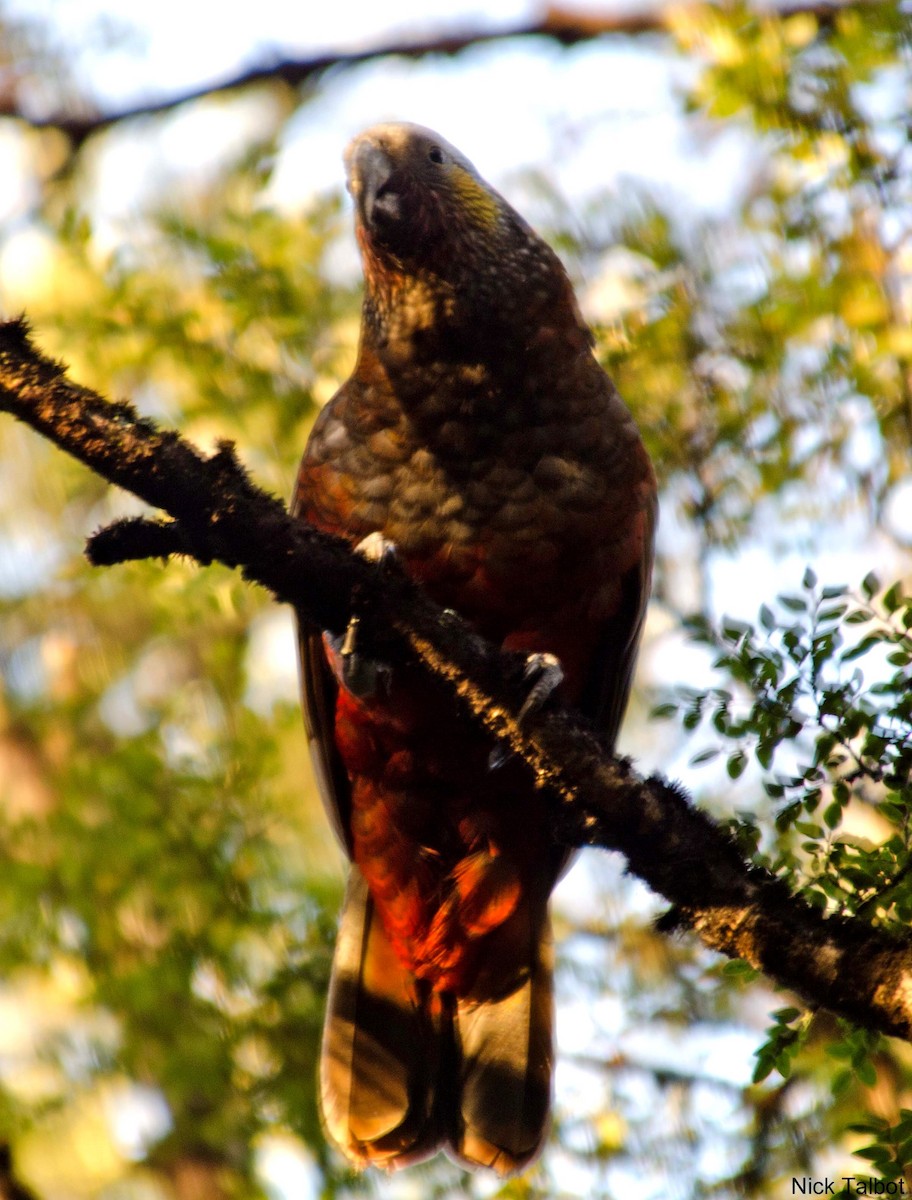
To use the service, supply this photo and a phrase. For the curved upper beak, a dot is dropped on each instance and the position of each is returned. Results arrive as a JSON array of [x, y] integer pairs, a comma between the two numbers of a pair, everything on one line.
[[369, 170]]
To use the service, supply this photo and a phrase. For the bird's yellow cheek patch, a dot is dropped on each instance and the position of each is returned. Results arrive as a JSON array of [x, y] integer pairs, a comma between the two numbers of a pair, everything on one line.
[[475, 200]]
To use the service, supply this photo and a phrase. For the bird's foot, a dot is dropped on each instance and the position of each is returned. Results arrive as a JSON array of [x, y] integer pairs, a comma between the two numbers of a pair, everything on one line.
[[365, 678], [545, 673], [377, 548]]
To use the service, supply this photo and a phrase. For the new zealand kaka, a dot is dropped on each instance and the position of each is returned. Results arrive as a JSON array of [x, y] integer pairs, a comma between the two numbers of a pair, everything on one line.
[[479, 435]]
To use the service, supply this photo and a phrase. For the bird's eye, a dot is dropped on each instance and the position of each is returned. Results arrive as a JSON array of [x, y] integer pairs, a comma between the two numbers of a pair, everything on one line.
[[435, 154]]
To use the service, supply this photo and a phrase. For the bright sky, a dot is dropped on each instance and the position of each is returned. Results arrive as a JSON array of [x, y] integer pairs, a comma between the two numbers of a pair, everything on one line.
[[507, 108], [178, 43]]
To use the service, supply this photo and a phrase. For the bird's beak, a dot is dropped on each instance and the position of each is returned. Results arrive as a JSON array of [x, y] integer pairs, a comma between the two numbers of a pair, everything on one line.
[[370, 174]]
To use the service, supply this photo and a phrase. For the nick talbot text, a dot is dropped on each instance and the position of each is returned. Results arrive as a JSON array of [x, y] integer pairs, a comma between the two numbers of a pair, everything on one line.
[[805, 1185]]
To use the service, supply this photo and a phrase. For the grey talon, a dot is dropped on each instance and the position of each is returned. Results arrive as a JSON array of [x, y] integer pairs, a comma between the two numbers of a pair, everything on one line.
[[546, 671], [365, 678]]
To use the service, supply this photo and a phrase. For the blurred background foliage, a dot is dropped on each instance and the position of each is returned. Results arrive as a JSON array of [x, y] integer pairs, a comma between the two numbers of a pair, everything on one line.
[[167, 883]]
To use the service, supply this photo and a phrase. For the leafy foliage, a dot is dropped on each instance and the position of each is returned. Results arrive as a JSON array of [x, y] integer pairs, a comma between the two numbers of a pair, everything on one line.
[[803, 696], [819, 697]]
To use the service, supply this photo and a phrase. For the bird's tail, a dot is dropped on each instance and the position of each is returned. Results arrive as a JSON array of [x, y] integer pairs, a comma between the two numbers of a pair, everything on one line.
[[381, 1046], [405, 1072]]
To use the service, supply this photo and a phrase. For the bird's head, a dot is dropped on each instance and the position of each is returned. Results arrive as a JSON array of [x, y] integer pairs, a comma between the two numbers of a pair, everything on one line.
[[434, 235], [417, 198]]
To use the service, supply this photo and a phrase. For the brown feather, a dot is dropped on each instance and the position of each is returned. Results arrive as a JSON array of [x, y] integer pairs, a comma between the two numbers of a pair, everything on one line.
[[505, 1056], [318, 695], [381, 1040]]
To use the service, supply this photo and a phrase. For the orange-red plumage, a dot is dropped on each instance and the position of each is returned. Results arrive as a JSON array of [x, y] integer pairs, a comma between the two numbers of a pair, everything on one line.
[[479, 435]]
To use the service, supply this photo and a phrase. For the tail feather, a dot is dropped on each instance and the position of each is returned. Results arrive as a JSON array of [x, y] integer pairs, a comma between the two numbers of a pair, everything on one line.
[[404, 1071], [505, 1053], [380, 1046]]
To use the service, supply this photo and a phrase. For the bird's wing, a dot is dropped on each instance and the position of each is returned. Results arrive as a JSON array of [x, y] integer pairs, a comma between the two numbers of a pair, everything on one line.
[[318, 693], [319, 688], [608, 684]]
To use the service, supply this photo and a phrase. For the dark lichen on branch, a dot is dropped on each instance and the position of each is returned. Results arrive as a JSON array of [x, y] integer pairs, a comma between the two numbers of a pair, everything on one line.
[[216, 513]]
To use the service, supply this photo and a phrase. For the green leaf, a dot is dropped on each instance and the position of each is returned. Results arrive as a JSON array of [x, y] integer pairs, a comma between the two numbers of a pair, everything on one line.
[[875, 1154], [857, 617], [784, 1016], [832, 815], [705, 756], [866, 1072], [874, 1125], [737, 968], [840, 1050], [832, 614], [867, 642], [794, 604], [765, 1066], [734, 630], [736, 764], [893, 598]]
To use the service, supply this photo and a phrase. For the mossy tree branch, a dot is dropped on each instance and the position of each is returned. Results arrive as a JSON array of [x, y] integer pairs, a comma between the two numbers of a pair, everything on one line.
[[216, 513]]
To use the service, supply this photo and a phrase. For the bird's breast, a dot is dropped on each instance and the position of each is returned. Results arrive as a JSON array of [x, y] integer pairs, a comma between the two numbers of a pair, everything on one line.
[[497, 503]]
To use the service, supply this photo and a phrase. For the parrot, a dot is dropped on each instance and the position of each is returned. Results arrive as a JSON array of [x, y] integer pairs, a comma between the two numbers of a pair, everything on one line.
[[480, 442]]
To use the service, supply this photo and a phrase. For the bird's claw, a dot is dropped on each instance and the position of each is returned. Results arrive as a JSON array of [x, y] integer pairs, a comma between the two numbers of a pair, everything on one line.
[[545, 673], [364, 678]]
